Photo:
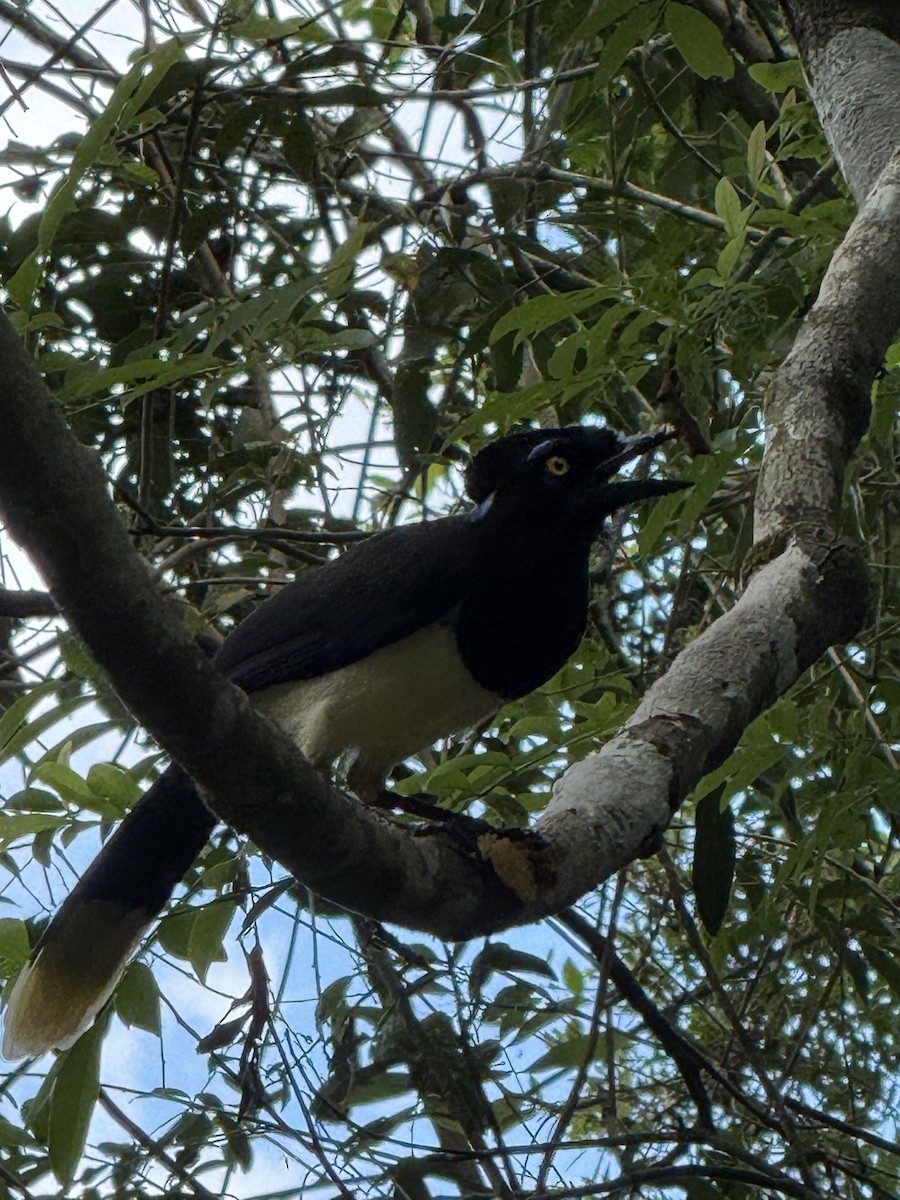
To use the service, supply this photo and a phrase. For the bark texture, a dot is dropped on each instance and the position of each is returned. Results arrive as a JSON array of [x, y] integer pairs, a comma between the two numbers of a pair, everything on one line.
[[818, 406], [851, 52]]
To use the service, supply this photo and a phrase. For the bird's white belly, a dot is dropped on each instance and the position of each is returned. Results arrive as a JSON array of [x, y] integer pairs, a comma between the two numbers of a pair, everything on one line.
[[384, 707]]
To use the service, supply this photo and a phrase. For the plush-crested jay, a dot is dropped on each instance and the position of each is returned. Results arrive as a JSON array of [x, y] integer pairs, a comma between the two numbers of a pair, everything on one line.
[[414, 634]]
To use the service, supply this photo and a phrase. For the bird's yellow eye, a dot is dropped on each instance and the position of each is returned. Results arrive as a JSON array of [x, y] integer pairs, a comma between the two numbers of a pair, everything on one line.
[[557, 465]]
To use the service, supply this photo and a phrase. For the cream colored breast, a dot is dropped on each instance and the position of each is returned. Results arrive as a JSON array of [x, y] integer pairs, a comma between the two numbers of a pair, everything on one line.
[[384, 707]]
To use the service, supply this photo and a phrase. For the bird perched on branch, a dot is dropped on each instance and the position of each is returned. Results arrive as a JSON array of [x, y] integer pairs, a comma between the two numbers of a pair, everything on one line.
[[414, 634]]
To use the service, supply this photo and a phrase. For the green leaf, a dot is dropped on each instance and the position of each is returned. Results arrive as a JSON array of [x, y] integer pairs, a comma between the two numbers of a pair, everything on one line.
[[218, 874], [602, 16], [728, 258], [14, 716], [14, 945], [205, 945], [884, 405], [64, 780], [742, 768], [570, 1052], [705, 472], [36, 1111], [113, 783], [756, 153], [332, 1004], [15, 732], [34, 729], [76, 738], [706, 481], [16, 825], [238, 1142], [506, 408], [12, 1135], [509, 810], [338, 272], [261, 313], [377, 1087], [498, 956], [139, 376], [534, 316], [627, 33], [463, 770], [699, 42], [137, 998], [174, 932], [32, 800], [72, 1102], [573, 978], [728, 207], [714, 858], [778, 76]]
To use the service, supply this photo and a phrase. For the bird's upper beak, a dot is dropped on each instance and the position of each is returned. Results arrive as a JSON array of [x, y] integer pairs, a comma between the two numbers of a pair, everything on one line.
[[631, 448]]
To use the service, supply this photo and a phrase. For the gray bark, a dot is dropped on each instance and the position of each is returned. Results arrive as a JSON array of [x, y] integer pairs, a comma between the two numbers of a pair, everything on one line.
[[812, 588], [851, 52]]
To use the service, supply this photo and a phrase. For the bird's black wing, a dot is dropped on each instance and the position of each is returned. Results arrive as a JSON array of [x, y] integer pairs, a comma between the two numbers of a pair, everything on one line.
[[378, 593]]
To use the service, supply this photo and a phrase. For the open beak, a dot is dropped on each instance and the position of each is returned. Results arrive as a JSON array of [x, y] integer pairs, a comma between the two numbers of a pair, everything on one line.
[[626, 492]]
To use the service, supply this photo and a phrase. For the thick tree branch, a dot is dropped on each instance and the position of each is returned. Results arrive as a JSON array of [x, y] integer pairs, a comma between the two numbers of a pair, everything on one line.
[[54, 499], [737, 29], [812, 594], [851, 53], [818, 407], [605, 809]]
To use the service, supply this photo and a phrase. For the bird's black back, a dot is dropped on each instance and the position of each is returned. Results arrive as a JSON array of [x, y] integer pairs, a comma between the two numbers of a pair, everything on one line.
[[510, 576]]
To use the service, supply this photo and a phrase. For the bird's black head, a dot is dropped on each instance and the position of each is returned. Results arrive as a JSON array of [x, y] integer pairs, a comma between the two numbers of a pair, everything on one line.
[[565, 475]]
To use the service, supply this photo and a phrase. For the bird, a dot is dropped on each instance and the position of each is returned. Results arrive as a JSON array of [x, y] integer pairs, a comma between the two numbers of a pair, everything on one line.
[[416, 633]]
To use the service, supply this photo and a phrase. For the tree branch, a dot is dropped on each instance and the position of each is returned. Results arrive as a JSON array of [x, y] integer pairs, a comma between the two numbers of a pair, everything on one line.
[[810, 592], [851, 53], [55, 502], [19, 604], [607, 808]]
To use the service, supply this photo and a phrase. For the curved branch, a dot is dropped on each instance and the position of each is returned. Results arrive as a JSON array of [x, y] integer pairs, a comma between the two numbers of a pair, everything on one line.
[[54, 499], [810, 593], [604, 809]]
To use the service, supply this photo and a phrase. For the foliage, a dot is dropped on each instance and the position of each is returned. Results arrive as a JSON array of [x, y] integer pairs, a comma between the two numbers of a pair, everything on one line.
[[285, 261]]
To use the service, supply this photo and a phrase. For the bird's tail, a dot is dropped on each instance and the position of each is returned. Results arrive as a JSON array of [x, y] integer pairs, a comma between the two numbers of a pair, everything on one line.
[[86, 947]]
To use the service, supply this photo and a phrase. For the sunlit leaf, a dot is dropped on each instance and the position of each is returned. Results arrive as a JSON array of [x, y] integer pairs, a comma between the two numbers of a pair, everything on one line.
[[699, 41], [72, 1102]]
